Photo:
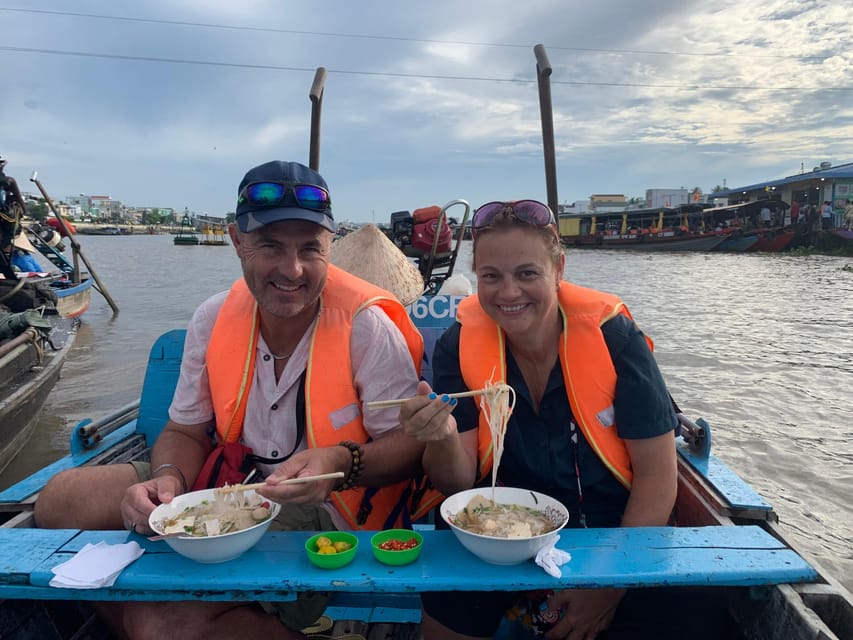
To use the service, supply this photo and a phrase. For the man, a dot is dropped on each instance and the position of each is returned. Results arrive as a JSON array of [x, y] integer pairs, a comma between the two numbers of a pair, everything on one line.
[[12, 207], [285, 321], [795, 212], [848, 215], [826, 215]]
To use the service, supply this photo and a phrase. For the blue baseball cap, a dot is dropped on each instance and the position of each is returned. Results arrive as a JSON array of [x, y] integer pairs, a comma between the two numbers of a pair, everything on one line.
[[280, 190]]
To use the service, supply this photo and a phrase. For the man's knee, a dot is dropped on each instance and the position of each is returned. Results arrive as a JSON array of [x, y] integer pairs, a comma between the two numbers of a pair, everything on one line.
[[53, 501], [84, 497]]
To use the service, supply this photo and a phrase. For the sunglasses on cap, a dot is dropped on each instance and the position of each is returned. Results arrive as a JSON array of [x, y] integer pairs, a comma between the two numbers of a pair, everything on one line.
[[268, 194], [530, 212]]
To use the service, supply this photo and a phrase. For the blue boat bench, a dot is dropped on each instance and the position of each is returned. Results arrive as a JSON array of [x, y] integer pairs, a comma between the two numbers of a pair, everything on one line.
[[277, 567]]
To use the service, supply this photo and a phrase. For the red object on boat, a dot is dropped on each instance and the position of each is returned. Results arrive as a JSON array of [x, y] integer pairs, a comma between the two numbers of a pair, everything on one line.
[[774, 241], [53, 222]]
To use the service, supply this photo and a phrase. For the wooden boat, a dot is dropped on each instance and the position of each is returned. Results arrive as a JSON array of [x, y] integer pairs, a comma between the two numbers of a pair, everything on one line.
[[727, 536], [73, 287], [742, 224], [774, 240], [30, 364], [657, 229], [738, 240]]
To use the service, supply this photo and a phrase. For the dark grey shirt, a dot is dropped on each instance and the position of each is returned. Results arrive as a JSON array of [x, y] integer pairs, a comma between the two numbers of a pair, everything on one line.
[[538, 452]]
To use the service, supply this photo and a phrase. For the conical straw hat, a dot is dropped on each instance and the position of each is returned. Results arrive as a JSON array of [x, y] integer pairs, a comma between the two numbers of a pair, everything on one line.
[[23, 242], [370, 255]]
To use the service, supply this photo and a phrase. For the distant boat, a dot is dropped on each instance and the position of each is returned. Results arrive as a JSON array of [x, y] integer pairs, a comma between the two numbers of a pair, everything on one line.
[[105, 230], [774, 240], [213, 236], [656, 229], [738, 240], [186, 234]]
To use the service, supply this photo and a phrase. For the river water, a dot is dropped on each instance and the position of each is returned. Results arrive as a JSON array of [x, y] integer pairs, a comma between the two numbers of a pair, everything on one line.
[[761, 346]]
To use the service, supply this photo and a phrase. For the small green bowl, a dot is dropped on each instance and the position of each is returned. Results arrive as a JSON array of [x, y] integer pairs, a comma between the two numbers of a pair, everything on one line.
[[396, 558], [331, 560]]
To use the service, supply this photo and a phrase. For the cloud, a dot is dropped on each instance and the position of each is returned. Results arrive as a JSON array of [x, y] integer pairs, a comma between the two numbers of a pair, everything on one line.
[[423, 102]]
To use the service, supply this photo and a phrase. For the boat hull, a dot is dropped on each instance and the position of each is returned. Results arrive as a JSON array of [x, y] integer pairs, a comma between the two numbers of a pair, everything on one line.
[[738, 242], [774, 241], [26, 379], [73, 301], [699, 242]]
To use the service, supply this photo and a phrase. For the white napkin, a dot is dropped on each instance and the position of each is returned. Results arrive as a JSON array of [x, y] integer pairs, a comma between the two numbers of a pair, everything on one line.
[[95, 565], [550, 558]]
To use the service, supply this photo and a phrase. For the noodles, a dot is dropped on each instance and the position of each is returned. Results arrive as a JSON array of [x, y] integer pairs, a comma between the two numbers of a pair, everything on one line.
[[485, 517], [497, 404], [219, 516]]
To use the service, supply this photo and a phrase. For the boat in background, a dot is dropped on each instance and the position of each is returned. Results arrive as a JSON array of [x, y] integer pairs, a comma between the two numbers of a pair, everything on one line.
[[72, 286], [745, 230], [213, 235], [186, 233], [657, 229], [774, 240], [738, 240]]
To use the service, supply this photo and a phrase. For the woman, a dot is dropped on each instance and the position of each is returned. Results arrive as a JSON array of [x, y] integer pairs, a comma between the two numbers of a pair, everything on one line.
[[557, 337]]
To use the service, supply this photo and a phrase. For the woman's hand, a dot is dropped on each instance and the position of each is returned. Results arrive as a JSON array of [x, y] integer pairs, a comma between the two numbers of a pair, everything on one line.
[[427, 417], [588, 612]]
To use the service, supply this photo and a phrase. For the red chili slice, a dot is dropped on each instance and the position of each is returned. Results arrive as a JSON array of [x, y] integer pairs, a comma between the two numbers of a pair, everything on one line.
[[399, 545]]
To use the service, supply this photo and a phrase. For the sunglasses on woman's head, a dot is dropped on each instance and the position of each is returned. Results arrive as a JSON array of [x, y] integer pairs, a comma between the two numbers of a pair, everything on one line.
[[267, 194], [530, 212]]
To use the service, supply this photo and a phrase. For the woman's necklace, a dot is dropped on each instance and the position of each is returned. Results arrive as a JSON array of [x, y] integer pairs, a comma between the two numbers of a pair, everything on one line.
[[284, 357]]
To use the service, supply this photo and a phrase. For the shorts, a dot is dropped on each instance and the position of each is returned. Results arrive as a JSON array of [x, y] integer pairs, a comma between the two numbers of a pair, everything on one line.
[[308, 606]]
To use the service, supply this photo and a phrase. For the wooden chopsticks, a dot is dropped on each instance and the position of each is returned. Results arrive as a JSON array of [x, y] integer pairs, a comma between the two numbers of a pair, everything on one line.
[[300, 480], [384, 404]]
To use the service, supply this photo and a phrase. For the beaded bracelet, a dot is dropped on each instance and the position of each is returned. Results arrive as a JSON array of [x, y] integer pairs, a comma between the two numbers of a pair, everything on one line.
[[180, 475], [357, 452]]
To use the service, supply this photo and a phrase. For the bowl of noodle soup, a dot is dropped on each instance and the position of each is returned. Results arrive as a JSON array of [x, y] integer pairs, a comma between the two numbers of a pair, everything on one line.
[[218, 527], [510, 530]]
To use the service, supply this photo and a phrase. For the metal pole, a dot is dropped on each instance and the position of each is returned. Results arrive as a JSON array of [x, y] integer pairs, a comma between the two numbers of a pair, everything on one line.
[[316, 96], [543, 73], [75, 245]]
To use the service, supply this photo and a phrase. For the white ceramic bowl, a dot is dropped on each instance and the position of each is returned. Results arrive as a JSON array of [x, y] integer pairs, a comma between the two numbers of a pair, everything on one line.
[[209, 549], [505, 550]]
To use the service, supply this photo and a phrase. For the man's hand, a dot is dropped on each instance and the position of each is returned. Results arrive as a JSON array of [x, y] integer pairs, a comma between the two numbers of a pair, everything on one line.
[[310, 462], [142, 498]]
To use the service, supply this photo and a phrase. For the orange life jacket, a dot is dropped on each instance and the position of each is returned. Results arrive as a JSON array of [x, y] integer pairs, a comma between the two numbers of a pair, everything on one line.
[[329, 390], [588, 372]]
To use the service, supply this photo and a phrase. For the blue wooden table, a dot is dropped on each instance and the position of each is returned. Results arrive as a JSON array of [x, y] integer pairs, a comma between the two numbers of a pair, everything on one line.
[[277, 567]]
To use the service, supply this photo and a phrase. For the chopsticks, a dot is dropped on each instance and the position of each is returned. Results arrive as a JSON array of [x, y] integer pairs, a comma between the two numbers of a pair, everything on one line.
[[384, 404], [300, 480]]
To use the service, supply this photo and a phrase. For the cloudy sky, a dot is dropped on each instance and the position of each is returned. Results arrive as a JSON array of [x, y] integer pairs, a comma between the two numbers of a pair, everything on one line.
[[167, 104]]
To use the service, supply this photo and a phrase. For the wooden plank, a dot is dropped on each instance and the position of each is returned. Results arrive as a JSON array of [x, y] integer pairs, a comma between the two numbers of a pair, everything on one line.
[[26, 549], [737, 493], [277, 567]]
